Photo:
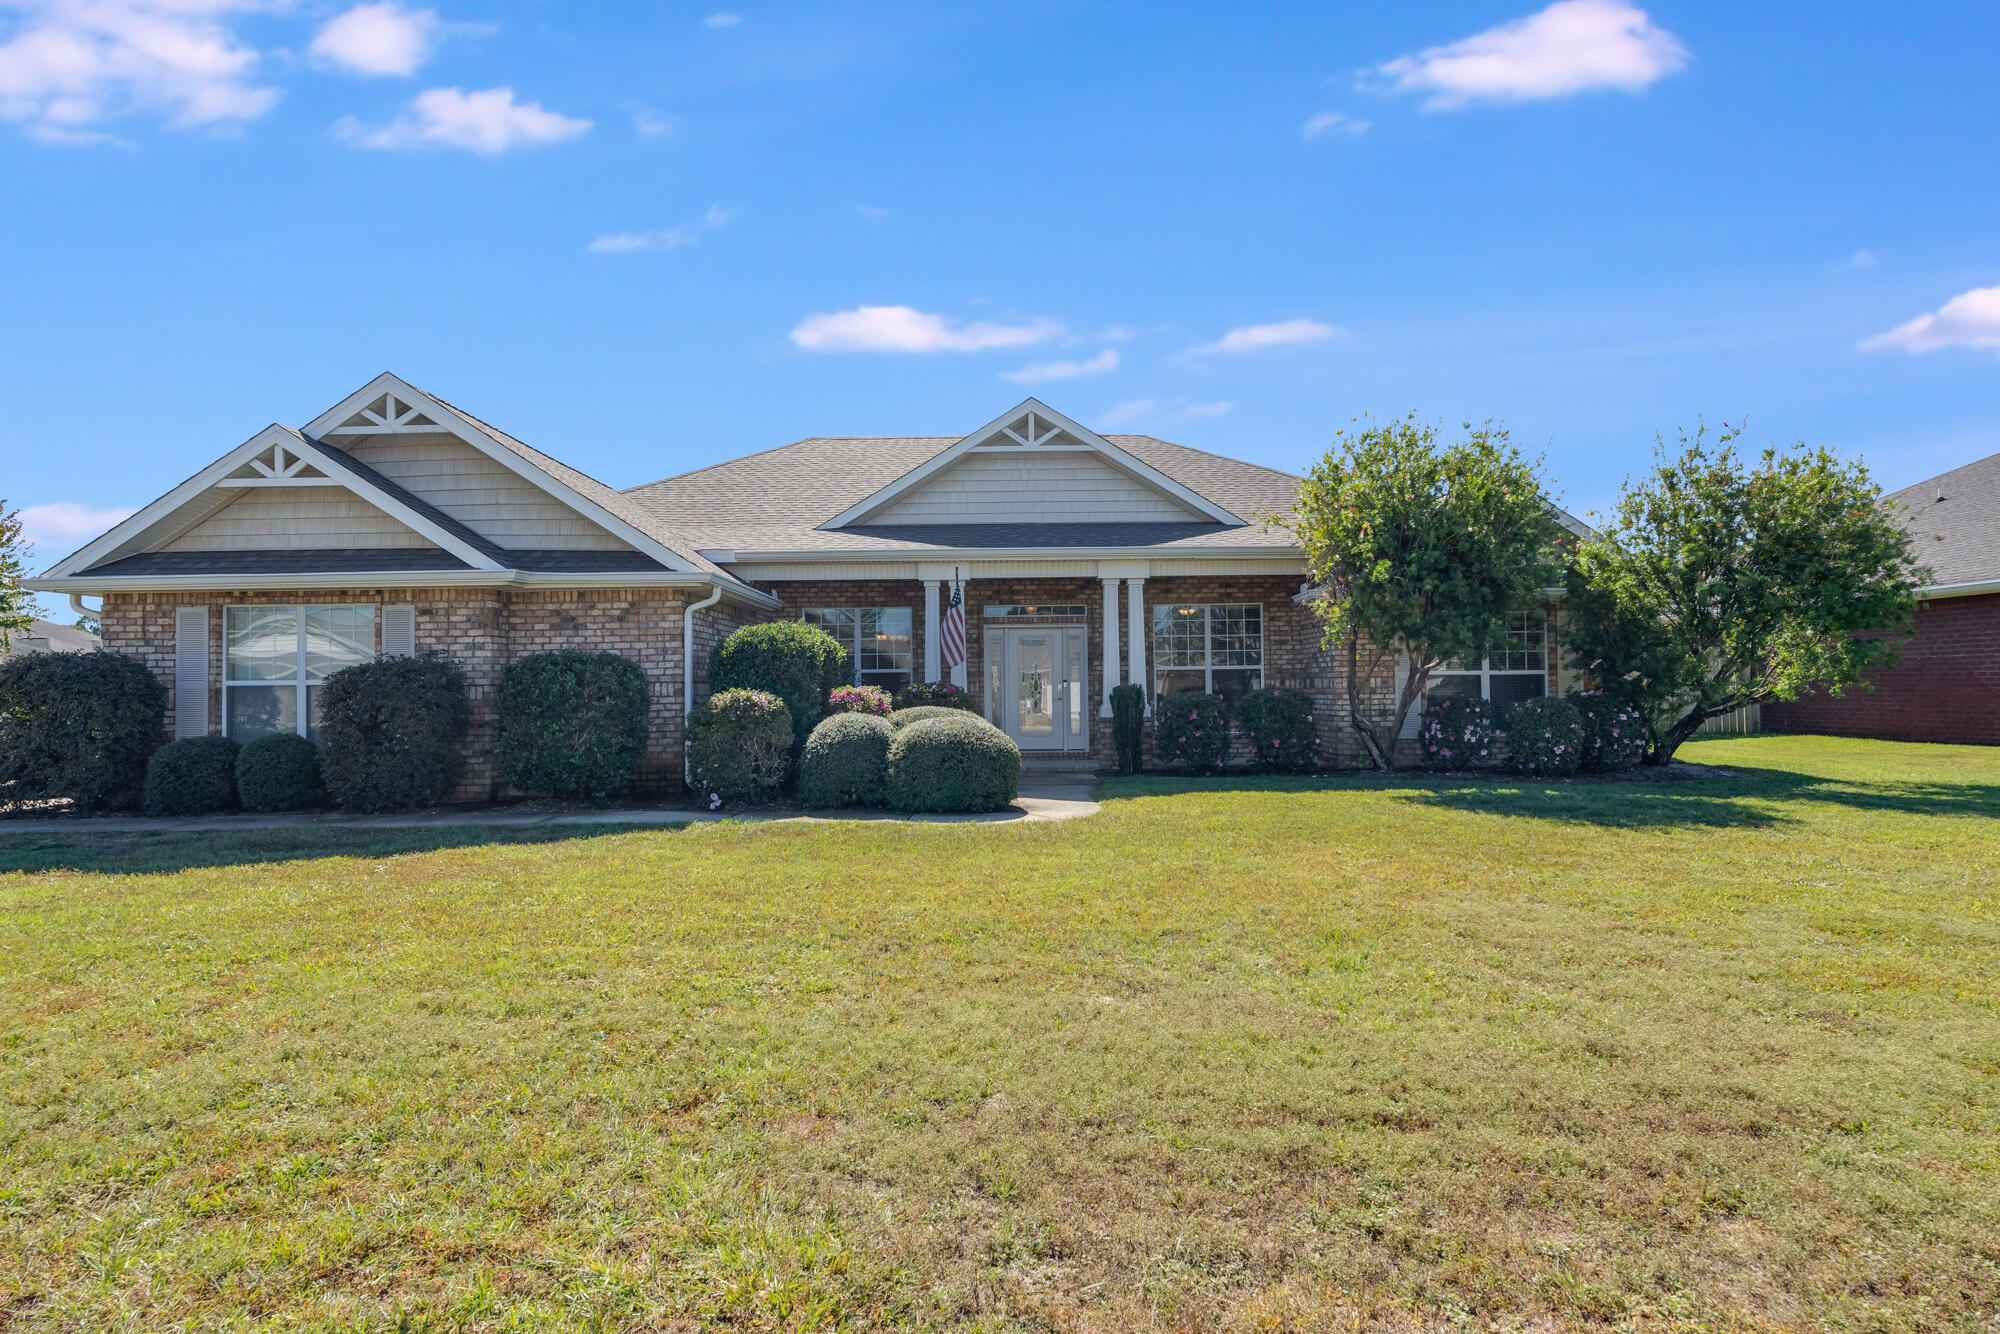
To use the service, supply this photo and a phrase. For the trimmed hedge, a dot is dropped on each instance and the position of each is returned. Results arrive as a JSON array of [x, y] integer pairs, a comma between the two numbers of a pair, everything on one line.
[[1457, 733], [192, 776], [956, 763], [739, 746], [1614, 733], [394, 733], [871, 700], [798, 663], [846, 762], [1278, 724], [1545, 737], [572, 724], [942, 694], [1191, 731], [1128, 725], [77, 726], [279, 772], [902, 718]]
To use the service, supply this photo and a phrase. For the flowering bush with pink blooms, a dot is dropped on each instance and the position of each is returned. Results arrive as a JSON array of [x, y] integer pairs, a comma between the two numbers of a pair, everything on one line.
[[1278, 724], [940, 694], [738, 747], [871, 700], [1545, 738], [1457, 733], [1614, 733], [1191, 731]]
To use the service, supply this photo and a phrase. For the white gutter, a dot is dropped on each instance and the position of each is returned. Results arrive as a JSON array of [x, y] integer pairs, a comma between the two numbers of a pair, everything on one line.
[[687, 648], [1964, 590], [962, 554], [85, 584]]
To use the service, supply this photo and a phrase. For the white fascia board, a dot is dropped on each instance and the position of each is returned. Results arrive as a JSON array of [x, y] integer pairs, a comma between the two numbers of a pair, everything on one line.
[[931, 556], [1971, 588], [1126, 463], [455, 423], [169, 583]]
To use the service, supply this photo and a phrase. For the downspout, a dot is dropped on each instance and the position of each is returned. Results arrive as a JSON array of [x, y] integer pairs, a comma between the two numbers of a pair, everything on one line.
[[76, 605], [687, 648]]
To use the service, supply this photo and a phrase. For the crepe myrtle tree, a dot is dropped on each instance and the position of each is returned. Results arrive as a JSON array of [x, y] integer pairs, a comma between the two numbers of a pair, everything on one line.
[[16, 612], [1722, 581], [1420, 546]]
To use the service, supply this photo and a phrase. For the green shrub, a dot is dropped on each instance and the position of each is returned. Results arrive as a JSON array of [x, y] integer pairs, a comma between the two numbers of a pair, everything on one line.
[[1614, 732], [77, 726], [279, 772], [1278, 724], [1545, 737], [959, 762], [739, 746], [873, 700], [192, 776], [902, 718], [1457, 733], [798, 663], [1191, 731], [1128, 725], [942, 694], [572, 724], [846, 761], [393, 733]]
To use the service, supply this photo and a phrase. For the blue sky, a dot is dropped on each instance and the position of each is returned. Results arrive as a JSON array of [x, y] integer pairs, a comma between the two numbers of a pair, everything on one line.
[[648, 236]]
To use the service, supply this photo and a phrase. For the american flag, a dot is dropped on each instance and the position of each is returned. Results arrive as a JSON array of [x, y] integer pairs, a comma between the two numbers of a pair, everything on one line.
[[951, 632]]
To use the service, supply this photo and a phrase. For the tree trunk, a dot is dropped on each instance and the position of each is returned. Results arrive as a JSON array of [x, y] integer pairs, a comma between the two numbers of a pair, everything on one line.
[[1357, 718], [1670, 741]]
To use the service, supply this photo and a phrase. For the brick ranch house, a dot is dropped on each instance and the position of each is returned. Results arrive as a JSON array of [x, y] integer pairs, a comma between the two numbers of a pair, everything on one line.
[[395, 523], [1946, 684]]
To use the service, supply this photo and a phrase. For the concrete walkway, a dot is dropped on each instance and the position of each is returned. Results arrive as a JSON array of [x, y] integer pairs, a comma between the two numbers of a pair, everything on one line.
[[1044, 797]]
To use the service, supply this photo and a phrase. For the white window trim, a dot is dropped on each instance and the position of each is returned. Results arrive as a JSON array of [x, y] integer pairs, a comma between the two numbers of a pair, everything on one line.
[[1208, 668], [853, 644], [1486, 671], [298, 681]]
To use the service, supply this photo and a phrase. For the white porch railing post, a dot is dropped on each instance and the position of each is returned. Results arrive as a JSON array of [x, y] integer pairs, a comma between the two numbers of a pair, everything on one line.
[[931, 656], [1135, 614], [1110, 643]]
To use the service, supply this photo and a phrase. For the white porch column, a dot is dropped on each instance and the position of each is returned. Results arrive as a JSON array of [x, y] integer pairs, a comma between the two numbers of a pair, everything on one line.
[[931, 657], [958, 669], [1135, 615], [1110, 644]]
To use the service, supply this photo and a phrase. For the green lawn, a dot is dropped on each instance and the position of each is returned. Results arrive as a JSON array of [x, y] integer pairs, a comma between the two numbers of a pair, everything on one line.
[[1261, 1055]]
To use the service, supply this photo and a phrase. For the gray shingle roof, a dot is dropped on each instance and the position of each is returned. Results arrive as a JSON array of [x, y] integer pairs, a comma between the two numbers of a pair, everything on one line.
[[1954, 522], [776, 500], [325, 560]]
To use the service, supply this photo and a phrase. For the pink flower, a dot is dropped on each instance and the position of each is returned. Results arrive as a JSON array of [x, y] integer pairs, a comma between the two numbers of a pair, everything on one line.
[[714, 800]]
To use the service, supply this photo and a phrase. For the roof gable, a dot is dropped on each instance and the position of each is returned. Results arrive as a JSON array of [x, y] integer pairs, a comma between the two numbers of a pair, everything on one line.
[[1027, 465]]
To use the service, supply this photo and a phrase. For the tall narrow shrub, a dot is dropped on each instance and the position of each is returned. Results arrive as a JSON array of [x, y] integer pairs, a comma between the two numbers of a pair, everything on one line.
[[1128, 725]]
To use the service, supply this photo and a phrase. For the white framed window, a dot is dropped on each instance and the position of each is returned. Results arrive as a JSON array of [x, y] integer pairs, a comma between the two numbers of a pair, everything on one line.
[[877, 640], [275, 658], [1515, 671], [1217, 648]]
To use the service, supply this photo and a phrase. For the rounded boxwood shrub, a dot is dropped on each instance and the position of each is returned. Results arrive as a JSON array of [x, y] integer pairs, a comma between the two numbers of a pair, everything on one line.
[[943, 694], [1614, 733], [902, 718], [572, 724], [1545, 736], [1278, 724], [1457, 732], [77, 726], [192, 776], [1191, 731], [959, 762], [846, 762], [393, 733], [798, 663], [739, 745], [873, 700], [279, 772]]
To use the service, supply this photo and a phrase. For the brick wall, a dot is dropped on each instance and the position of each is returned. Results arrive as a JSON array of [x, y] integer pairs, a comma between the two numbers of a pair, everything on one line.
[[1945, 686]]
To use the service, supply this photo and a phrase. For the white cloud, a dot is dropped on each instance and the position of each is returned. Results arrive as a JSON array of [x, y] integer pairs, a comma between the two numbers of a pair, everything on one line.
[[664, 238], [1573, 46], [1860, 259], [60, 528], [1037, 372], [1969, 320], [1136, 409], [1331, 122], [69, 65], [722, 18], [1180, 409], [1204, 411], [903, 329], [483, 122], [1254, 337], [650, 124], [377, 39]]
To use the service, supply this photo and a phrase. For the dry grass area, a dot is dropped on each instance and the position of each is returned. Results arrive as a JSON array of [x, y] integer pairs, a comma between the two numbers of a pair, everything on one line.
[[1366, 1055]]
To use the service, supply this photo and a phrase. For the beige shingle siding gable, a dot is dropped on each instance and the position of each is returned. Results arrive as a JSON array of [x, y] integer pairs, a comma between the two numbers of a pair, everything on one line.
[[284, 518], [485, 496], [1046, 488]]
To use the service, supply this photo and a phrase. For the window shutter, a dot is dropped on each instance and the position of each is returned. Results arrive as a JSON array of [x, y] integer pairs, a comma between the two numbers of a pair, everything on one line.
[[399, 631], [191, 671]]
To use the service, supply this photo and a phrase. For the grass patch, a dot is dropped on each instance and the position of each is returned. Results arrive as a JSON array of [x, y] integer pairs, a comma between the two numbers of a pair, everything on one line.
[[1254, 1054]]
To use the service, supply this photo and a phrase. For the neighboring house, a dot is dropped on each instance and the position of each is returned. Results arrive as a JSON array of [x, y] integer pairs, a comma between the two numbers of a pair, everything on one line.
[[1945, 685], [395, 523], [48, 637]]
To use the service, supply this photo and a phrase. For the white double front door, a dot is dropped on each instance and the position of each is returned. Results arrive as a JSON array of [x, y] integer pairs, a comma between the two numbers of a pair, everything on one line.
[[1036, 686]]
